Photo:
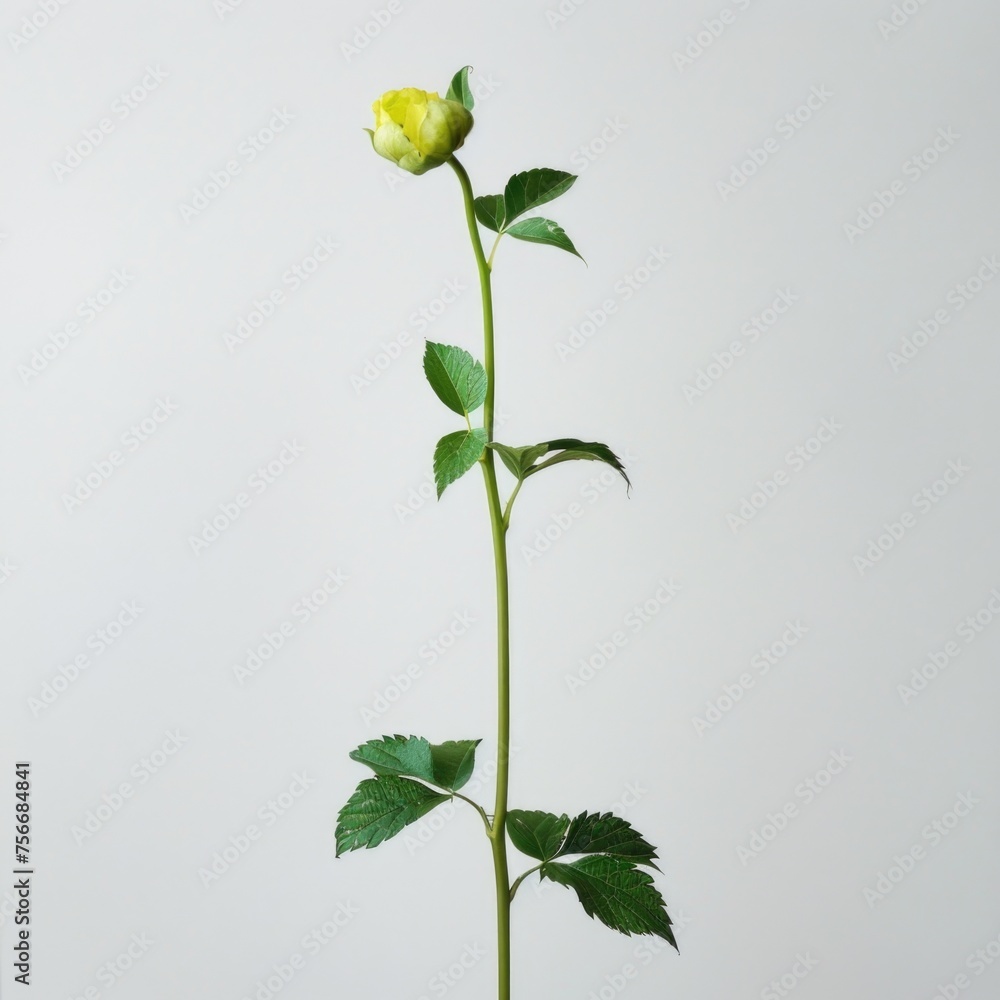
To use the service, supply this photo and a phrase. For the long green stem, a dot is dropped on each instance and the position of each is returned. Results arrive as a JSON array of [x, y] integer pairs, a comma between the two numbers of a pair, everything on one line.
[[498, 835]]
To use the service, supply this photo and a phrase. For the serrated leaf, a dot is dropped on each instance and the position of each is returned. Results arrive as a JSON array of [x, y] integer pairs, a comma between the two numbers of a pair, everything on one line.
[[455, 454], [537, 834], [531, 188], [459, 89], [616, 892], [454, 761], [447, 765], [519, 460], [538, 230], [571, 449], [456, 377], [490, 211], [604, 833], [381, 807], [402, 756]]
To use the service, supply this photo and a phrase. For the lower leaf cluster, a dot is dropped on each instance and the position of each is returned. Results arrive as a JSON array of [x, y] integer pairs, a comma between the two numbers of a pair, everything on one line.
[[413, 776]]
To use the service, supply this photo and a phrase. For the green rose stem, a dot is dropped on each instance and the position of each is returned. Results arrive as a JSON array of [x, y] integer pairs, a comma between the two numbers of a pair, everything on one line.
[[498, 523], [418, 131]]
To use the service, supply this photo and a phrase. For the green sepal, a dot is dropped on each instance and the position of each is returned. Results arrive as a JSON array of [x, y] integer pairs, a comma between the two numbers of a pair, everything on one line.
[[381, 807], [539, 230], [455, 454], [615, 892], [459, 89], [456, 377]]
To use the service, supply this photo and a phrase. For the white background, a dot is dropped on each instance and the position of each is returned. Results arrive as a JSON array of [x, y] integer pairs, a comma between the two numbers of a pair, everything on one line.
[[599, 90]]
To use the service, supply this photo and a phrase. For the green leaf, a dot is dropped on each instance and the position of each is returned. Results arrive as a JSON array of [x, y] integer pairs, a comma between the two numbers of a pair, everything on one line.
[[616, 892], [455, 375], [408, 756], [522, 461], [454, 761], [532, 188], [603, 833], [571, 449], [538, 230], [459, 90], [455, 454], [537, 834], [380, 808], [519, 460], [448, 765], [490, 211]]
